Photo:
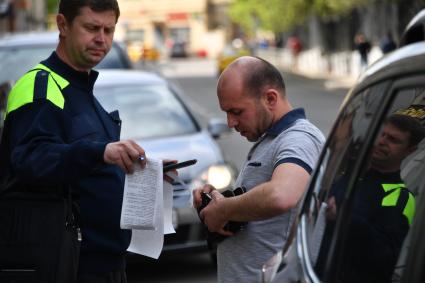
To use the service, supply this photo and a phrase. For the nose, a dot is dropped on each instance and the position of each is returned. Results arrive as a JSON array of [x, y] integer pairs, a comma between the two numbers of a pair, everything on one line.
[[382, 139], [231, 121], [100, 36]]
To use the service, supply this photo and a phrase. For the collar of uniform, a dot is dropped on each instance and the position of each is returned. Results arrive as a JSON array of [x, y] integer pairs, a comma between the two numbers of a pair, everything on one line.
[[81, 79], [287, 120]]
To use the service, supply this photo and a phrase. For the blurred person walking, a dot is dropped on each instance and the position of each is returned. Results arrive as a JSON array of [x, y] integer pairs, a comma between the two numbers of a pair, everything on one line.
[[294, 45], [58, 135], [363, 47], [252, 93], [8, 13]]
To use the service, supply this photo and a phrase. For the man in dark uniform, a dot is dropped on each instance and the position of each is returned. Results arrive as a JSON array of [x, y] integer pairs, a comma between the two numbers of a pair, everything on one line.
[[382, 208], [57, 134]]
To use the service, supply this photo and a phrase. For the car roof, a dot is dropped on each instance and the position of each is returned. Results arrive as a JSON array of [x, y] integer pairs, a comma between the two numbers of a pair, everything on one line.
[[126, 77], [29, 38], [405, 60], [32, 38], [415, 30]]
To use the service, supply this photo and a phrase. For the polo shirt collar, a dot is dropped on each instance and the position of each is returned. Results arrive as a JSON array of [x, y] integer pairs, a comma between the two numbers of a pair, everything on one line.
[[286, 121], [82, 79]]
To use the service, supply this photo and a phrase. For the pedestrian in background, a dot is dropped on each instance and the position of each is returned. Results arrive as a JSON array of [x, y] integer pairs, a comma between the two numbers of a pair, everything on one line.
[[387, 43], [363, 47], [294, 45], [252, 93], [57, 134]]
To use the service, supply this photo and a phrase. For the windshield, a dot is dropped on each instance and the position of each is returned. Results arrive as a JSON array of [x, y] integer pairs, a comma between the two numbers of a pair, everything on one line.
[[23, 58], [146, 111]]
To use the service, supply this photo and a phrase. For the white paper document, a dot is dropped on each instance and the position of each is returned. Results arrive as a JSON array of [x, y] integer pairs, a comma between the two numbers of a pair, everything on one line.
[[147, 208]]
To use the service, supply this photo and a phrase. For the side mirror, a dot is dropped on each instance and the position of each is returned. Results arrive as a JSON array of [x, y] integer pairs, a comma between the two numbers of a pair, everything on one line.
[[218, 127]]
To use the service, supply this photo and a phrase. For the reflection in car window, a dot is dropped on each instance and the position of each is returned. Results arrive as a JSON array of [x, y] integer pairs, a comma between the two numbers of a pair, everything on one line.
[[146, 111], [340, 154], [381, 206]]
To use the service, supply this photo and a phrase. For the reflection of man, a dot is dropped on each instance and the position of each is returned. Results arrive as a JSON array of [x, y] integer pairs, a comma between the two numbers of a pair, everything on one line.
[[252, 93], [383, 208]]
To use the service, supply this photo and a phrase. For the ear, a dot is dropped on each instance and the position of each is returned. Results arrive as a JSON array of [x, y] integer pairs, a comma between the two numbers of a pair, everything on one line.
[[62, 24], [270, 97]]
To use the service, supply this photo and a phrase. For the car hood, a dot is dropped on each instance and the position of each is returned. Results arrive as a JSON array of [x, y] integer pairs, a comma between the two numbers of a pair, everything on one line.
[[198, 146]]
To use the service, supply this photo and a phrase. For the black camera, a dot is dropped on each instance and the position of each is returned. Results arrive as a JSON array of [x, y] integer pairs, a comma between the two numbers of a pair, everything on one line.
[[232, 226]]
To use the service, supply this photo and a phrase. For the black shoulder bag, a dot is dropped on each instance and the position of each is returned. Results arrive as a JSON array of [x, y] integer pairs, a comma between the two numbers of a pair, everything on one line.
[[39, 234], [39, 237]]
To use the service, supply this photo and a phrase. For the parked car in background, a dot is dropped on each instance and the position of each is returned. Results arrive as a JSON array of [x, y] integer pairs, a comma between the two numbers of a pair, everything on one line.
[[155, 114], [19, 52], [178, 50], [332, 239]]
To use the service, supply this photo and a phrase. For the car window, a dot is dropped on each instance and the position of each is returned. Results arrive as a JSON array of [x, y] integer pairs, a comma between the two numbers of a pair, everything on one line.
[[337, 162], [147, 111], [115, 59], [381, 208], [364, 203]]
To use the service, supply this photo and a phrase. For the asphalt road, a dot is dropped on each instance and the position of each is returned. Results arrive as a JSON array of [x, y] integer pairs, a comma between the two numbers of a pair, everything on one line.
[[198, 80]]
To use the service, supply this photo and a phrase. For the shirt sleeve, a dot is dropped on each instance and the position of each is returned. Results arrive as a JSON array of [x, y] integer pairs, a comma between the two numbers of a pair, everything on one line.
[[39, 149], [299, 147]]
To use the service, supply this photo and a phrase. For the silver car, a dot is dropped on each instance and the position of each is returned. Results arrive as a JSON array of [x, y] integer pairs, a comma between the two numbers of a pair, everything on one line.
[[155, 115], [346, 230], [19, 52]]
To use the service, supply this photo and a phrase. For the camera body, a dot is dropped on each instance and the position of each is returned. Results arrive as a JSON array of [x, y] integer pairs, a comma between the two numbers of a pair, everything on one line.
[[232, 226]]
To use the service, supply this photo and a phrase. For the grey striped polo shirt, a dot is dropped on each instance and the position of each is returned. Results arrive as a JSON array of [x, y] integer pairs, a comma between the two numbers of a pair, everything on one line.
[[292, 139]]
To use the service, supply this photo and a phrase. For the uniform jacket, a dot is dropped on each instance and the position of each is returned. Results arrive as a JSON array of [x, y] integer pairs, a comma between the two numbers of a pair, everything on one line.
[[55, 135]]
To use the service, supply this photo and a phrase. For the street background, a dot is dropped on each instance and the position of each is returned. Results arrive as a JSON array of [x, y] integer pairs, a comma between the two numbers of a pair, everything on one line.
[[317, 76]]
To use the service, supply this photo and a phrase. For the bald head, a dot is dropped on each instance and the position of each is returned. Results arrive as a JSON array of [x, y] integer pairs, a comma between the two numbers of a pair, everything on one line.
[[253, 75]]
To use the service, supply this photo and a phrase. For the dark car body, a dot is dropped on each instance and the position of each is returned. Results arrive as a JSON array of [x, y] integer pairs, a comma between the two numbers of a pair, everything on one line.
[[321, 248]]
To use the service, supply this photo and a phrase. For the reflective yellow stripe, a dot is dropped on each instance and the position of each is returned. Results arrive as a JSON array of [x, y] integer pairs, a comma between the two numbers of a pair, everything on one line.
[[409, 210], [392, 198], [22, 92]]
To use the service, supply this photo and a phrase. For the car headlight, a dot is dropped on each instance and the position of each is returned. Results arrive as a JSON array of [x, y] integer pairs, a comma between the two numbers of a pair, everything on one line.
[[221, 176]]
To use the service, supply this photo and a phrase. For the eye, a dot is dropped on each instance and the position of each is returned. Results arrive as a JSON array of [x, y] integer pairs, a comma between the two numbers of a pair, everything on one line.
[[109, 30], [236, 112], [91, 28]]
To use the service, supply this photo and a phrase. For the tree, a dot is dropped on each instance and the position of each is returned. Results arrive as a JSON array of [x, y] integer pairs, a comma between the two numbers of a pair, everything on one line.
[[52, 6], [283, 15], [273, 15]]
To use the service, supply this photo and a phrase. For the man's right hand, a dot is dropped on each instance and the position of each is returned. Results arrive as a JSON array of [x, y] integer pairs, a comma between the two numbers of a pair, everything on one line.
[[124, 154]]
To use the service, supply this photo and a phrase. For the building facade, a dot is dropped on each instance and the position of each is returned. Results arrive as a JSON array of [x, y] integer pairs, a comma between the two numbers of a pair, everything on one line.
[[159, 24]]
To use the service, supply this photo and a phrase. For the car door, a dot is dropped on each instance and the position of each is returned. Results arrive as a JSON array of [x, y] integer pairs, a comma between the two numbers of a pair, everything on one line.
[[326, 246]]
